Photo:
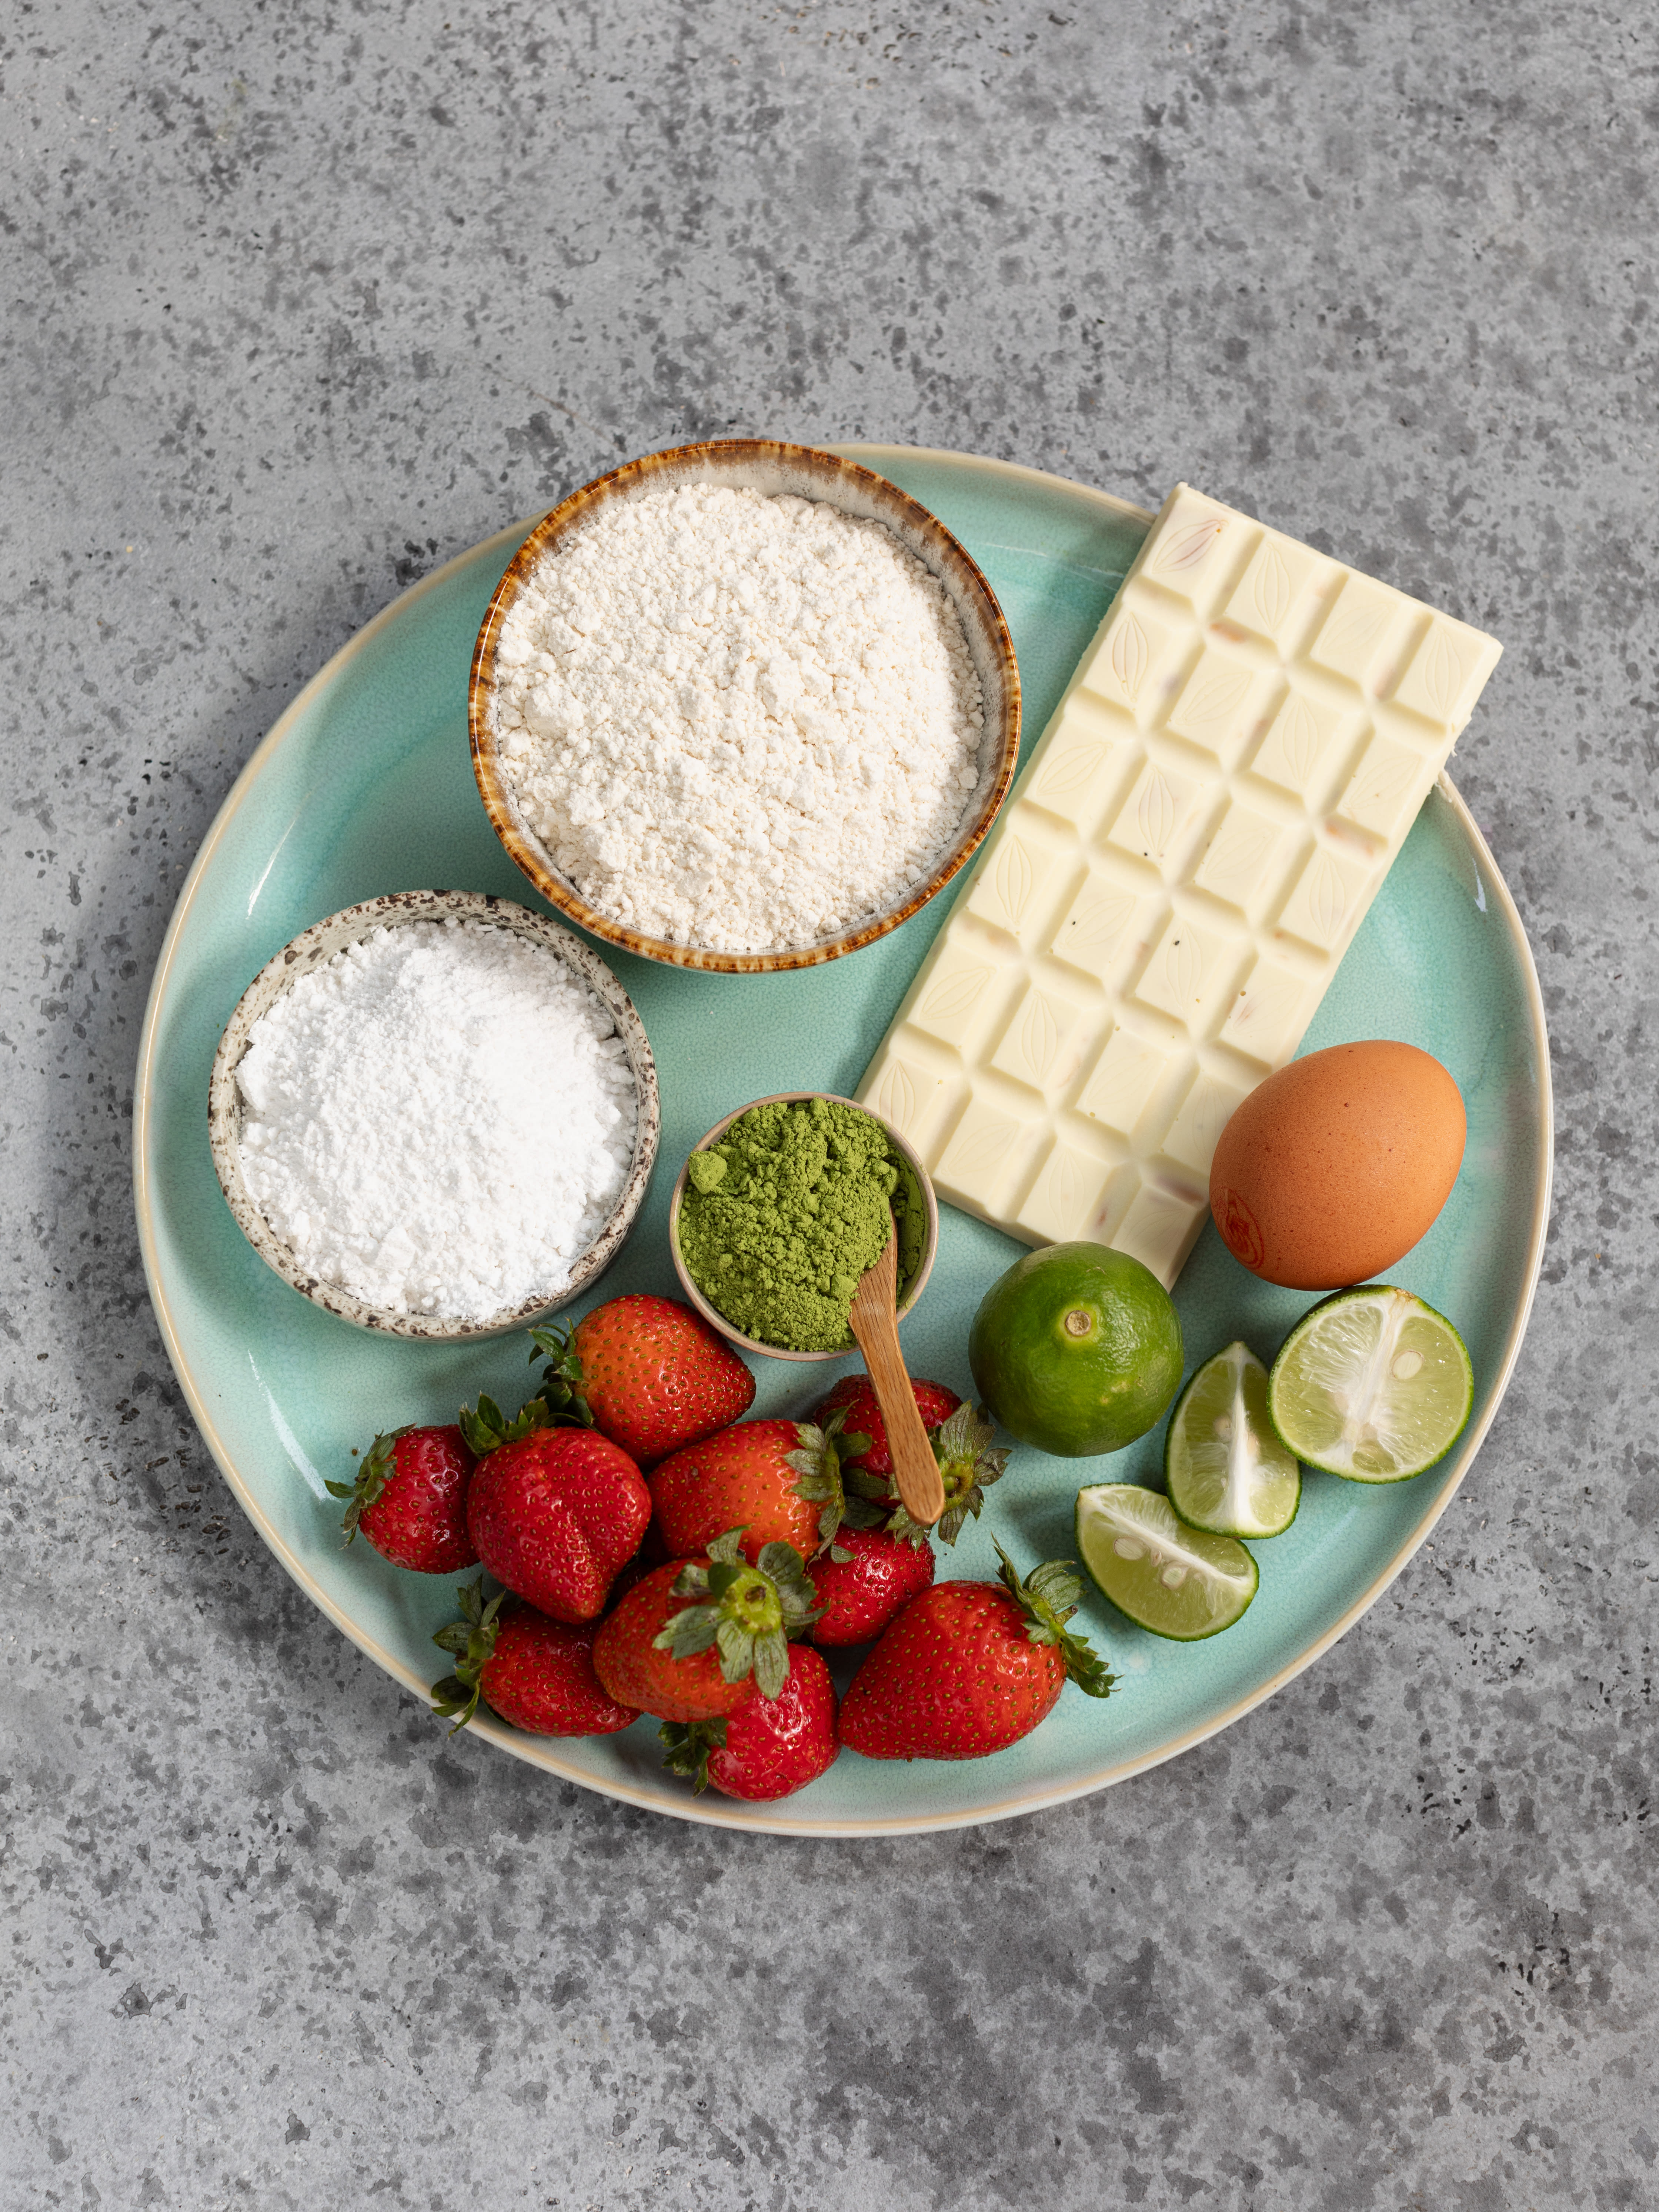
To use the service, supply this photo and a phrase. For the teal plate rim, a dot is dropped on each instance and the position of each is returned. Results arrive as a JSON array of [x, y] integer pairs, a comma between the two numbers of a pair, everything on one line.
[[544, 1752]]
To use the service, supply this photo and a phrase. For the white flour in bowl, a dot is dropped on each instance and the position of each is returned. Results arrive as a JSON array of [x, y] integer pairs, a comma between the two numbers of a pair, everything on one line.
[[737, 721], [440, 1120]]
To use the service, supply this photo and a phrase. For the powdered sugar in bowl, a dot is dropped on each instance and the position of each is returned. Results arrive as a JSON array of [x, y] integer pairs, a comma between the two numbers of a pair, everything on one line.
[[742, 706], [435, 1114]]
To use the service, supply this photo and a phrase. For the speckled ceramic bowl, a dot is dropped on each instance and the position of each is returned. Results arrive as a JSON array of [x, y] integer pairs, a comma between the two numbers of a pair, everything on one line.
[[908, 1292], [320, 944], [762, 465]]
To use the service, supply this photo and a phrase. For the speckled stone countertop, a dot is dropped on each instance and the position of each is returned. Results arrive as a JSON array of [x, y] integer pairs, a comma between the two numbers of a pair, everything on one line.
[[300, 301]]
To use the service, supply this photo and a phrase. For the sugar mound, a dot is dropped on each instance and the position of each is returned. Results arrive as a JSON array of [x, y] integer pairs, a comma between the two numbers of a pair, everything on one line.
[[439, 1120]]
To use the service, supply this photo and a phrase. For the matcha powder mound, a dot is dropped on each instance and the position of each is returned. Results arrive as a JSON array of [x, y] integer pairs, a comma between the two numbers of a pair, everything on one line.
[[783, 1215]]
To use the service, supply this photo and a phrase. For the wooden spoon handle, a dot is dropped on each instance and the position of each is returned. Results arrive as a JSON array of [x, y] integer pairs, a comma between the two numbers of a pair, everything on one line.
[[875, 1325]]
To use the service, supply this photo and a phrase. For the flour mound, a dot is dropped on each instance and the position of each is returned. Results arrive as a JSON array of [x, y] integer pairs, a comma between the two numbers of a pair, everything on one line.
[[439, 1120], [737, 721]]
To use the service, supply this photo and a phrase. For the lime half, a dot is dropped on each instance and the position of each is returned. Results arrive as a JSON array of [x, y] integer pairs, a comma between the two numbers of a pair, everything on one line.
[[1372, 1384], [1224, 1468], [1177, 1581]]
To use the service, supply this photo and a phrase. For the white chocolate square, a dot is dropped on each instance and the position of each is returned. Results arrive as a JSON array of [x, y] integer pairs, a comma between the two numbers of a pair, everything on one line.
[[1270, 1011], [1039, 1046], [982, 1159], [1307, 745], [1236, 863], [1270, 597], [1123, 1081], [1096, 932], [1387, 788], [1215, 710], [1157, 807], [1029, 870], [1448, 672], [1067, 1191], [964, 989], [1204, 1113], [1154, 920]]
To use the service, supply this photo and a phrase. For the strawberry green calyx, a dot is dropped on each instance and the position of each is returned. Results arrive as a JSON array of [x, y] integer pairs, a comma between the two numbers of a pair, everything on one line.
[[746, 1613], [472, 1639], [826, 1484], [562, 1376], [1049, 1597], [970, 1462], [372, 1478], [687, 1745], [488, 1426]]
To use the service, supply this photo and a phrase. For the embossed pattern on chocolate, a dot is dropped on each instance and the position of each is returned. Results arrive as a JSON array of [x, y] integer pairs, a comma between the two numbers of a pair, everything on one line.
[[1154, 920]]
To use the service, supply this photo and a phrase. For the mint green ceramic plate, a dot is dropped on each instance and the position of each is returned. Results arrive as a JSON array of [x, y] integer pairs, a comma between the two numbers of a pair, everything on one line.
[[365, 786]]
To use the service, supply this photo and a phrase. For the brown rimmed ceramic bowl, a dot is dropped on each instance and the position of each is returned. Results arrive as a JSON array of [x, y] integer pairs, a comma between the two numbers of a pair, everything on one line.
[[908, 1292], [320, 944], [761, 465]]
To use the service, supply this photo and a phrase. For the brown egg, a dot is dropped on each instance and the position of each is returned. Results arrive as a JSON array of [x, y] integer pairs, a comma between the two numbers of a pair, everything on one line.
[[1332, 1169]]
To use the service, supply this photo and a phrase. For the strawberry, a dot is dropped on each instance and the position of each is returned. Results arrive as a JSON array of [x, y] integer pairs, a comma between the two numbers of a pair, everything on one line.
[[410, 1500], [554, 1514], [867, 1576], [962, 1444], [537, 1673], [646, 1373], [767, 1747], [970, 1668], [692, 1660], [745, 1475], [855, 1397]]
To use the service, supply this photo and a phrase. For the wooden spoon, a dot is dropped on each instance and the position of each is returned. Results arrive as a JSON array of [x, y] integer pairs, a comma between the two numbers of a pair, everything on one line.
[[875, 1324]]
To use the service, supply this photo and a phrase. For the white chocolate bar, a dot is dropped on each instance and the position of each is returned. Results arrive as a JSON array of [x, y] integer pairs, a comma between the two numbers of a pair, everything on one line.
[[1155, 916]]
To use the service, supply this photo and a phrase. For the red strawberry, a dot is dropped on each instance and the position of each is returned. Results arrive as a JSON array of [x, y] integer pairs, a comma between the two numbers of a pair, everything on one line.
[[649, 1373], [536, 1673], [855, 1395], [864, 1578], [768, 1746], [962, 1442], [555, 1515], [409, 1500], [747, 1476], [969, 1668], [684, 1642]]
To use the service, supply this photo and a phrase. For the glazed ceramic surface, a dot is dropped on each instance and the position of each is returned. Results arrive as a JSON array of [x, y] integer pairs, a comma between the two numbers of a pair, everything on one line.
[[806, 472], [315, 948], [365, 786]]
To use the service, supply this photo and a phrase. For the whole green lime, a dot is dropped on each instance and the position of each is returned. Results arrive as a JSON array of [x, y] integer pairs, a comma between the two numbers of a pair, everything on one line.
[[1077, 1349]]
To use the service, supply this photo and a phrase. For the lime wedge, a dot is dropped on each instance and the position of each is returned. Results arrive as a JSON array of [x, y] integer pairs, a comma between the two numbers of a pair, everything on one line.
[[1178, 1582], [1223, 1467], [1372, 1384]]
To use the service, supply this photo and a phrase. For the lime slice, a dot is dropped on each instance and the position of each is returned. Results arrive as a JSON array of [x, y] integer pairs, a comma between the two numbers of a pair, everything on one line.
[[1178, 1582], [1224, 1468], [1372, 1384]]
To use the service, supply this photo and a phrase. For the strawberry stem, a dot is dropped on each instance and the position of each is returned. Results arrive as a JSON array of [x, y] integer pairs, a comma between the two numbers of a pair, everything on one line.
[[687, 1745], [472, 1638], [746, 1613], [373, 1475], [562, 1376], [1049, 1597]]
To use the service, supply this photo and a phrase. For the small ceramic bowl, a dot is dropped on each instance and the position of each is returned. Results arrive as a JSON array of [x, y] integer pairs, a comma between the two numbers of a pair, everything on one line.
[[761, 465], [318, 945], [908, 1292]]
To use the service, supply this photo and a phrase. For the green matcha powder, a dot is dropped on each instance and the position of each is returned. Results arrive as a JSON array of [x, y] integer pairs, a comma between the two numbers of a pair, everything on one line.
[[783, 1215]]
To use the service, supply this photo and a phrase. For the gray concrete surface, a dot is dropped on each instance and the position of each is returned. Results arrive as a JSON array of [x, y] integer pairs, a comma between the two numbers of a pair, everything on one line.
[[299, 300]]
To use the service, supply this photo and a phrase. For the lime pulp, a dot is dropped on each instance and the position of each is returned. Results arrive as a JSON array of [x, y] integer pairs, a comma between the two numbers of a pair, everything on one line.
[[1224, 1466], [1175, 1580], [1372, 1384]]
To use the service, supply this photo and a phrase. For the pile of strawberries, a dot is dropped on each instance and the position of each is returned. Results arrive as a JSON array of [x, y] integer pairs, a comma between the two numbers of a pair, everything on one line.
[[661, 1555]]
